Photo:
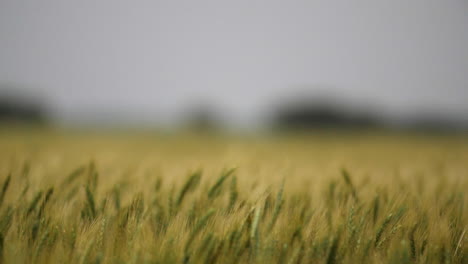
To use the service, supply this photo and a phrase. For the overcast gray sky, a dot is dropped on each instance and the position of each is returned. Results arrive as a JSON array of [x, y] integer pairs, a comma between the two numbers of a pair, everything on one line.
[[154, 58]]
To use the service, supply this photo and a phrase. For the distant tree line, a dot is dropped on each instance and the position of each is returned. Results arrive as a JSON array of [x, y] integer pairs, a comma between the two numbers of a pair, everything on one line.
[[13, 109], [314, 116], [310, 115]]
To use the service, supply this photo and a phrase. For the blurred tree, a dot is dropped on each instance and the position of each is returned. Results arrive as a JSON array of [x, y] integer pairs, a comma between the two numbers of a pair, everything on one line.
[[203, 118], [16, 107], [312, 115]]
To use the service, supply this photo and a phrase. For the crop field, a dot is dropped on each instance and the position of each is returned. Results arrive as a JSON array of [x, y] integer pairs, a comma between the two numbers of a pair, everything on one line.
[[70, 197]]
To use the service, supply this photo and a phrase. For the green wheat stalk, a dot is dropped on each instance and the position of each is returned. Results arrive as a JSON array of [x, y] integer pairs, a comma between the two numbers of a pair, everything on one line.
[[191, 183], [5, 185], [216, 188]]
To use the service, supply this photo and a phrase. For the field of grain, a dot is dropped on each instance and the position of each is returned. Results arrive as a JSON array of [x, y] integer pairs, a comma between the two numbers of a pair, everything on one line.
[[153, 198]]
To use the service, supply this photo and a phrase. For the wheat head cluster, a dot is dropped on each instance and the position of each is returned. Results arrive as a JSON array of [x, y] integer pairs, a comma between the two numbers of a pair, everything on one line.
[[357, 198]]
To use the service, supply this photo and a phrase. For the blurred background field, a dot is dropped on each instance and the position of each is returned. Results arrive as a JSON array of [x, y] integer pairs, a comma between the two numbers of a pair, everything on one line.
[[325, 197], [243, 132]]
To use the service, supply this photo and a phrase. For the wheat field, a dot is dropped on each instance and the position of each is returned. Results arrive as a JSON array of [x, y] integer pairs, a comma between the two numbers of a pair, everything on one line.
[[71, 197]]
